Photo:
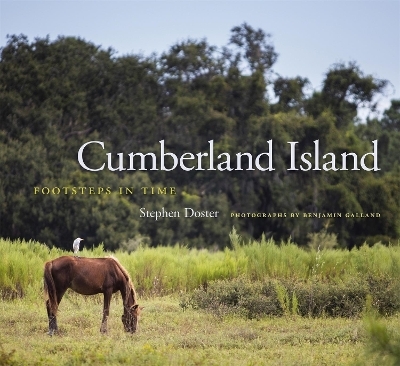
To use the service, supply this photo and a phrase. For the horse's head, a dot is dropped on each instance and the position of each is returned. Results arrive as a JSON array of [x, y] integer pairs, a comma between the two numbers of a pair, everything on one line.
[[130, 318]]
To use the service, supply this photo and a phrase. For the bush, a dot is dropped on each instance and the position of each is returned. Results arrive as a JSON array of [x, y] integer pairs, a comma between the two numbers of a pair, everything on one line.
[[317, 299], [273, 297], [385, 293], [239, 296]]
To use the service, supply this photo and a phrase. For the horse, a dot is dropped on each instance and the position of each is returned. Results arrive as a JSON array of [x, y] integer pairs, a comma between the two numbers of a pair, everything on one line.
[[90, 276]]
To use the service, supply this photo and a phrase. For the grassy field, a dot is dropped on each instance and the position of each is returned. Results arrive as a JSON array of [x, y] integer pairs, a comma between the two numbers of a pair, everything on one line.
[[169, 336], [172, 334]]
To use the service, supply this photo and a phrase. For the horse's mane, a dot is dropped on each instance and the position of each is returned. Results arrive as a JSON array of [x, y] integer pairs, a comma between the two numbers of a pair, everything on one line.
[[129, 284]]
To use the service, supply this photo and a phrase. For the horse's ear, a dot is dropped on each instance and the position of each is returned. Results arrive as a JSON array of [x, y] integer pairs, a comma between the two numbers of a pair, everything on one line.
[[141, 308]]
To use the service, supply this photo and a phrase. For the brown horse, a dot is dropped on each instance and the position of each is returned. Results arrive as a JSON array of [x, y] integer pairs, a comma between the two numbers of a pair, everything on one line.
[[90, 276]]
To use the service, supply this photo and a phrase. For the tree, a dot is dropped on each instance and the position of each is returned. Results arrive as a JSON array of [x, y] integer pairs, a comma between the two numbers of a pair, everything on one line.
[[290, 93], [345, 88], [254, 47], [57, 95], [391, 117]]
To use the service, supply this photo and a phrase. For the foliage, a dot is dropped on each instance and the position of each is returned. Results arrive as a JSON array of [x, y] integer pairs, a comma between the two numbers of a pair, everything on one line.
[[57, 95], [253, 279], [322, 240], [292, 297]]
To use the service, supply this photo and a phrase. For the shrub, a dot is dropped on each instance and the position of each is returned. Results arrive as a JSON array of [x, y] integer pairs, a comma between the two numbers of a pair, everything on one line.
[[385, 293], [330, 299], [273, 297], [239, 296]]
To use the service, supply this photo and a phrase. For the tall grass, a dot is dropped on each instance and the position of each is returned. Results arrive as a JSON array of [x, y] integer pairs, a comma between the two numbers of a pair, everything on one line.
[[165, 270], [21, 266]]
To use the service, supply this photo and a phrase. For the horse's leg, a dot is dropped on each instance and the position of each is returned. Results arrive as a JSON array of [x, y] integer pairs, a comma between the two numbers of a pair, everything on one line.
[[106, 311], [53, 327], [52, 319]]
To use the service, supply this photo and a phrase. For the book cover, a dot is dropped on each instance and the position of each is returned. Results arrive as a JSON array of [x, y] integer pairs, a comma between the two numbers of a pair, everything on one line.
[[190, 124]]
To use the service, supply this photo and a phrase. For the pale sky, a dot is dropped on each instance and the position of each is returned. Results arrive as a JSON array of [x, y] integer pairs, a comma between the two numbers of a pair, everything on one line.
[[309, 36]]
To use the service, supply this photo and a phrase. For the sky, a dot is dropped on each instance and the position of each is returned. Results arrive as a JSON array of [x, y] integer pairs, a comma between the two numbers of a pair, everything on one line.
[[309, 36]]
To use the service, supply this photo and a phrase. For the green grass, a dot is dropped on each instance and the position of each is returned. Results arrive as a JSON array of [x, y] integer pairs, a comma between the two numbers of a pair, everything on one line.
[[170, 270], [169, 336], [166, 276]]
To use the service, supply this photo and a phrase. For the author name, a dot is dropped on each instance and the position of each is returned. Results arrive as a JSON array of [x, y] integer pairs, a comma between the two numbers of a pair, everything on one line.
[[187, 212]]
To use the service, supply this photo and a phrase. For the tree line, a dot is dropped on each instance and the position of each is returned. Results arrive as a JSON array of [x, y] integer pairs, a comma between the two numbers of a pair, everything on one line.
[[57, 95]]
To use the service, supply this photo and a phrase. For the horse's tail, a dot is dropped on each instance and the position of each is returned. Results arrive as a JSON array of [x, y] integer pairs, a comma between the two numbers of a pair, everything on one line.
[[50, 287]]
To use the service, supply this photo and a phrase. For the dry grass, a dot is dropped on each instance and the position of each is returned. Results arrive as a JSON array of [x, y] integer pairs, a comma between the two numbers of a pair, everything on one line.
[[169, 336]]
